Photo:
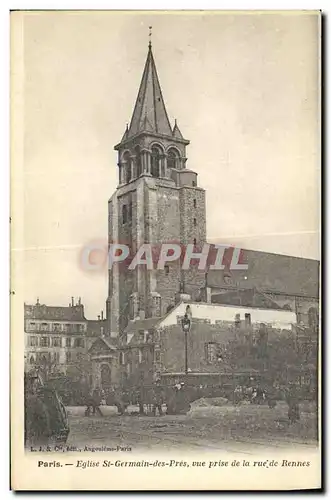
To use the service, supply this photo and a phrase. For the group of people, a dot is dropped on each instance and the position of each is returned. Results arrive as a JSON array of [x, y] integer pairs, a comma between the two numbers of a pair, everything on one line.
[[256, 395], [154, 398], [259, 395], [176, 399], [94, 399]]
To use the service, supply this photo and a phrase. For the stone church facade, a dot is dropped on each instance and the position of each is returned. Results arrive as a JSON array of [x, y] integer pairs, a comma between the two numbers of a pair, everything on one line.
[[158, 201]]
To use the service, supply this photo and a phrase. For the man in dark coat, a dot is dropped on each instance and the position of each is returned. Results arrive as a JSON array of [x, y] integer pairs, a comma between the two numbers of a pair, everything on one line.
[[293, 404], [96, 401], [178, 401], [89, 402], [118, 399]]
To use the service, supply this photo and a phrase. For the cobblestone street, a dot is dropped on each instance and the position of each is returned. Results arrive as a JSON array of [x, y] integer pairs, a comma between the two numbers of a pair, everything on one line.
[[242, 429]]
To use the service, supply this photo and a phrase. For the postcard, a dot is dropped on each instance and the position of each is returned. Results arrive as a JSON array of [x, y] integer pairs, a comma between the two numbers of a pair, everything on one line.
[[165, 262]]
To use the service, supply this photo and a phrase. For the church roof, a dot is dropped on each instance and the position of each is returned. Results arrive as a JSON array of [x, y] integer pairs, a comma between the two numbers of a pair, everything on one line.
[[149, 112], [103, 344], [248, 298], [271, 273], [142, 324]]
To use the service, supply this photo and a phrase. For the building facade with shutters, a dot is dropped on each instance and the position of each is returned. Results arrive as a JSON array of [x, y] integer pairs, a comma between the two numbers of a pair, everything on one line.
[[57, 338]]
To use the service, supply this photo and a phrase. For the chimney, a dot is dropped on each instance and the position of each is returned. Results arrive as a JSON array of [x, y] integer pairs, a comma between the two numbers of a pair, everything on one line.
[[37, 304], [72, 302], [98, 317], [79, 301], [102, 315]]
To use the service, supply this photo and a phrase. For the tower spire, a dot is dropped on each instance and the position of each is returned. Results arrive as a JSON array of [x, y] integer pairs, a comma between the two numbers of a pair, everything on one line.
[[149, 107]]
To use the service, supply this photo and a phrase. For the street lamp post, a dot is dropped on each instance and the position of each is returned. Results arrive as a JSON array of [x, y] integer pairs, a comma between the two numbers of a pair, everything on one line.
[[186, 326]]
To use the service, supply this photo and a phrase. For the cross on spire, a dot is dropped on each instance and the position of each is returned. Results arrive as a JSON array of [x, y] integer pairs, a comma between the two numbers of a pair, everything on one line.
[[150, 36]]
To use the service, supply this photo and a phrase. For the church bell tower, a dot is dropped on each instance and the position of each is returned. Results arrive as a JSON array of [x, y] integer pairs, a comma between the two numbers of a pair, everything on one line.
[[157, 201]]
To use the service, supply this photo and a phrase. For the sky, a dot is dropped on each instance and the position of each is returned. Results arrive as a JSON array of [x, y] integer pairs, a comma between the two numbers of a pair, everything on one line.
[[244, 90]]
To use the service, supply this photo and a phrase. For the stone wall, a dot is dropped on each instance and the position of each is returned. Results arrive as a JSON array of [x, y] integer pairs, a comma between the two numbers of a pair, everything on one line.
[[193, 228], [172, 344], [136, 366], [168, 231]]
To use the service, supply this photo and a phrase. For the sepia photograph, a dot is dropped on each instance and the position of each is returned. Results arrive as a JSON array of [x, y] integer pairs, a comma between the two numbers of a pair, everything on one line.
[[166, 244]]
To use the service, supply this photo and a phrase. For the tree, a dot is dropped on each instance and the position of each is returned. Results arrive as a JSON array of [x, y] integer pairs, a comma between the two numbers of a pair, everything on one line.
[[275, 354]]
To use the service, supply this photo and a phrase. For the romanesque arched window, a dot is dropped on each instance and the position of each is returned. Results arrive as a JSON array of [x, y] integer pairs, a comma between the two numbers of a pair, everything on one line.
[[138, 161], [127, 167], [156, 161], [173, 157]]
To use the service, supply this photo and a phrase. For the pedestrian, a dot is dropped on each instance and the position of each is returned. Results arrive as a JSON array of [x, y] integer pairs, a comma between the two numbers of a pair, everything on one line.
[[171, 399], [237, 396], [140, 400], [254, 395], [178, 401], [184, 398], [126, 399], [157, 398], [293, 404], [96, 401], [119, 401], [88, 402]]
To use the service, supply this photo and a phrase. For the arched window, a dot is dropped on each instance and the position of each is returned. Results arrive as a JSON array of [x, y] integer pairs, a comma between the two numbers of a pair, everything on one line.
[[138, 161], [32, 360], [172, 160], [313, 318], [156, 162], [127, 166]]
